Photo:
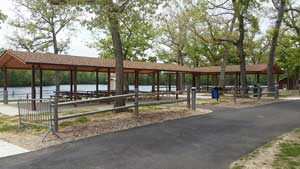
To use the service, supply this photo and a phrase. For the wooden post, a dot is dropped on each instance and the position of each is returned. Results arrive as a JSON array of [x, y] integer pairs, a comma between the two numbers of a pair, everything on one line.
[[108, 82], [55, 115], [136, 101], [234, 94], [33, 91], [257, 78], [170, 82], [97, 83], [177, 84], [194, 80], [5, 84], [193, 91], [136, 80], [198, 81], [41, 84], [236, 79], [153, 82], [71, 84], [157, 85], [207, 81], [188, 95], [75, 83], [239, 80]]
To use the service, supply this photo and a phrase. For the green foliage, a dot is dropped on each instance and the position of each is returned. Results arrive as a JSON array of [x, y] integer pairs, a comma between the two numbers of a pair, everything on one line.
[[2, 17], [39, 30], [133, 19], [8, 123], [288, 157], [137, 34], [288, 54]]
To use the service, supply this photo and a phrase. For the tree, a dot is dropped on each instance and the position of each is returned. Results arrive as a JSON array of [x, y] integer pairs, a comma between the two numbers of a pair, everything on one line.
[[174, 39], [107, 17], [137, 34], [280, 6], [40, 29], [290, 53], [2, 17]]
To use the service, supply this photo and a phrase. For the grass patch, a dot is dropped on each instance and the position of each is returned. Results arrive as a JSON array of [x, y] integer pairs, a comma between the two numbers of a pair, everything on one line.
[[8, 123], [236, 166], [151, 108], [289, 156], [75, 111], [76, 122], [211, 103], [7, 127]]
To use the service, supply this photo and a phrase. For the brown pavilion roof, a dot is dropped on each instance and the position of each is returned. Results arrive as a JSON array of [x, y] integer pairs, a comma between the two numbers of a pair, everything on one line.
[[46, 61], [231, 69]]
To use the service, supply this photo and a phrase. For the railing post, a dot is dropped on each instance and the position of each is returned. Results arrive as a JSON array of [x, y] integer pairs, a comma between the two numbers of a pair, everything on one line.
[[5, 95], [194, 98], [276, 94], [136, 101], [188, 94], [234, 94], [56, 114]]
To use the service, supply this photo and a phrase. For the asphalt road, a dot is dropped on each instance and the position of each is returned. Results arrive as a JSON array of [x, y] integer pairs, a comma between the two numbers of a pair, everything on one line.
[[209, 141]]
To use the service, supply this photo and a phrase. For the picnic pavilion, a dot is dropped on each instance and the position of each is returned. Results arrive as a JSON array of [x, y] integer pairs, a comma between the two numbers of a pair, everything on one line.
[[45, 61]]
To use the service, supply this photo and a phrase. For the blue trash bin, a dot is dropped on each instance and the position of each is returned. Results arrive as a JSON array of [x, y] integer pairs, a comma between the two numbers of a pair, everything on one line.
[[215, 93]]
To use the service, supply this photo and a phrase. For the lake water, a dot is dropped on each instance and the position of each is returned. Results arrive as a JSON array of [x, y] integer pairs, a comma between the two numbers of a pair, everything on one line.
[[22, 92]]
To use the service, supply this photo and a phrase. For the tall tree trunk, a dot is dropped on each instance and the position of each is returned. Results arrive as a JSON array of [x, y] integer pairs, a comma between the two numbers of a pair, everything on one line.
[[226, 57], [274, 44], [116, 38], [56, 51], [238, 12], [241, 53], [181, 75]]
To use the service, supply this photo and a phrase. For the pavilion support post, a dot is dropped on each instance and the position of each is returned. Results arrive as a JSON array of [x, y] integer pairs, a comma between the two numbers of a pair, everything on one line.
[[239, 80], [97, 83], [197, 83], [177, 84], [71, 84], [153, 82], [257, 78], [277, 79], [170, 82], [236, 79], [136, 80], [207, 82], [157, 85], [41, 84], [5, 84], [194, 80], [108, 82], [75, 84], [33, 91]]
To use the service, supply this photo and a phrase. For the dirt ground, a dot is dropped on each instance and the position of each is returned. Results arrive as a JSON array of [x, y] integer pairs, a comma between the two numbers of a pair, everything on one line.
[[273, 154]]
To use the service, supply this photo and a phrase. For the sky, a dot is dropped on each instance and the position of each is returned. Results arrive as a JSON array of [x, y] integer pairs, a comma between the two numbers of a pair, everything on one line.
[[78, 44], [82, 36]]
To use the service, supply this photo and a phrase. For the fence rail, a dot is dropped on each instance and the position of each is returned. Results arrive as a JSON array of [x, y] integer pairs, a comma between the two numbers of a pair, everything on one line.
[[136, 95], [44, 112]]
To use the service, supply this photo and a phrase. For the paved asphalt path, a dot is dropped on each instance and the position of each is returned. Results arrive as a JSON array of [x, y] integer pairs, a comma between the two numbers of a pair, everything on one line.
[[209, 141]]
